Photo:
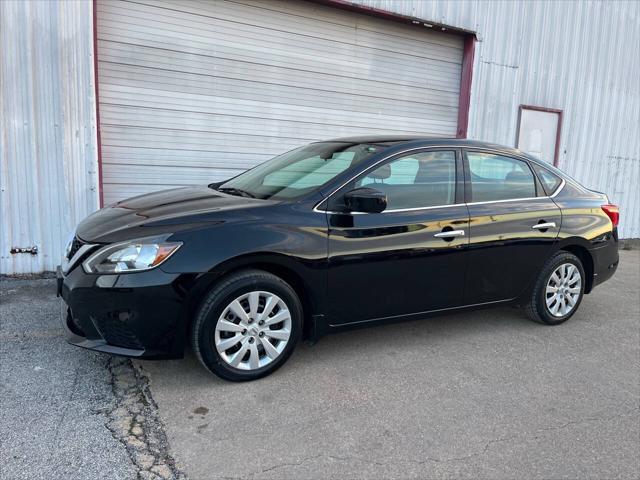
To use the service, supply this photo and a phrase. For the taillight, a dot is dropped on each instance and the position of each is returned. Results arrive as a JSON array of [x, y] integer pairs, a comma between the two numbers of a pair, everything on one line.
[[612, 212]]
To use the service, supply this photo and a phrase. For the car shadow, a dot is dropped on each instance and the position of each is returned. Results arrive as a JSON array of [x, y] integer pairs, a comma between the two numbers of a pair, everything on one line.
[[442, 331]]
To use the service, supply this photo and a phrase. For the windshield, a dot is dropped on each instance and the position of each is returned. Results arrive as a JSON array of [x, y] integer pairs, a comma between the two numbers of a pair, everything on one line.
[[299, 171]]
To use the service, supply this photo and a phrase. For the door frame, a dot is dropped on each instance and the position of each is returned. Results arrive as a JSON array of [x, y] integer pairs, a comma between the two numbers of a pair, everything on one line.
[[464, 98], [468, 197], [460, 192], [559, 112]]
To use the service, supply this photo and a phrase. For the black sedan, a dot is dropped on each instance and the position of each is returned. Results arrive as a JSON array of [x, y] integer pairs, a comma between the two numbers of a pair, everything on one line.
[[333, 235]]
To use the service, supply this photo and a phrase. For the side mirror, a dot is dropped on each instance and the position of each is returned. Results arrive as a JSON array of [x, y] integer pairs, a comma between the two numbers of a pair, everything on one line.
[[368, 200]]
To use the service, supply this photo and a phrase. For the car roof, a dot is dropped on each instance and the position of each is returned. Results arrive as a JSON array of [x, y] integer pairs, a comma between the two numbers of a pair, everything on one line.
[[423, 140]]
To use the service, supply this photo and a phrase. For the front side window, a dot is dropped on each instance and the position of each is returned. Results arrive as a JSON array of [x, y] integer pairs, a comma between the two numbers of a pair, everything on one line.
[[496, 177], [424, 179], [300, 171]]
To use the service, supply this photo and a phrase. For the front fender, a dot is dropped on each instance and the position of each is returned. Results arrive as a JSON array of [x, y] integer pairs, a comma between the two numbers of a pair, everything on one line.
[[290, 234], [290, 242]]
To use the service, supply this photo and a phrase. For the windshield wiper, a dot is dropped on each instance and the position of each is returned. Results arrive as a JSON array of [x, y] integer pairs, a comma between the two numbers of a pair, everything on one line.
[[236, 191]]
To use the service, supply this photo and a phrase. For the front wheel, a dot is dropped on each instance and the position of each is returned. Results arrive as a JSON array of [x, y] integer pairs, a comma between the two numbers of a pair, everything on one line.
[[247, 326], [558, 290]]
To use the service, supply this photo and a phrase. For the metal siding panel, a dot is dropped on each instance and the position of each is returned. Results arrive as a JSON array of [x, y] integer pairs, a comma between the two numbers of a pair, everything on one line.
[[311, 36], [235, 82], [581, 57], [541, 53], [434, 89], [48, 145]]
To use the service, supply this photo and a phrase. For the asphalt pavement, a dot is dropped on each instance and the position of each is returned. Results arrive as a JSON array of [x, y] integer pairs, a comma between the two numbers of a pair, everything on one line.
[[67, 413], [485, 394], [482, 394]]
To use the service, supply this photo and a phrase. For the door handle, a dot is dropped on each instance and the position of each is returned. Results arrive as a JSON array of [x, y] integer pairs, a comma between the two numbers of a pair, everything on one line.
[[544, 226], [450, 234]]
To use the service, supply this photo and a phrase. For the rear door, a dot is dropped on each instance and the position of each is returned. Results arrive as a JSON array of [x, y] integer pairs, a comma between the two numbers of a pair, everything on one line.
[[513, 226], [408, 259]]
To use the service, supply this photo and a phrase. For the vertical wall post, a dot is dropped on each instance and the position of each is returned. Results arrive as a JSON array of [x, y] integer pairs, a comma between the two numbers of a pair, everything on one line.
[[464, 102], [97, 90]]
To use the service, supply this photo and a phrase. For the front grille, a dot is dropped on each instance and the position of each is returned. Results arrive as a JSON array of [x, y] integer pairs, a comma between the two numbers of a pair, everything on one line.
[[76, 244], [116, 332]]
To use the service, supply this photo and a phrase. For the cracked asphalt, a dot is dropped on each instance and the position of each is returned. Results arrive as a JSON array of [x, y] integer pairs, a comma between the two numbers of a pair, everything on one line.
[[484, 394], [66, 412], [54, 399]]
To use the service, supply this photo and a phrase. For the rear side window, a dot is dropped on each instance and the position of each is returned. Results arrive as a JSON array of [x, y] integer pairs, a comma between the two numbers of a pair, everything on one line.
[[550, 181], [496, 177]]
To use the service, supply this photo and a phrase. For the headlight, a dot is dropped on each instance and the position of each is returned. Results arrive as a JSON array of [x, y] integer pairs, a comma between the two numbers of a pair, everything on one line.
[[131, 256], [69, 244]]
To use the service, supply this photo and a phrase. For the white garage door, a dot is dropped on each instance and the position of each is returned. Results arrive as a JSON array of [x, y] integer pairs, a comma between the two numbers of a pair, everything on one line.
[[193, 92]]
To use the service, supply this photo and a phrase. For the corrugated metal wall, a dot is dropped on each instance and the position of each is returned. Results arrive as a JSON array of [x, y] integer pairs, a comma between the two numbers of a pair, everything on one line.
[[48, 175], [581, 57]]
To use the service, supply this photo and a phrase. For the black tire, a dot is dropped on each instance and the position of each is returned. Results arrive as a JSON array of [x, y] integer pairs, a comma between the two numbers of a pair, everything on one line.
[[536, 308], [212, 307]]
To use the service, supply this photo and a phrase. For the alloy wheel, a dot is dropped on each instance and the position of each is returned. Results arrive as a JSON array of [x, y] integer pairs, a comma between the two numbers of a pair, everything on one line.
[[253, 330], [563, 291]]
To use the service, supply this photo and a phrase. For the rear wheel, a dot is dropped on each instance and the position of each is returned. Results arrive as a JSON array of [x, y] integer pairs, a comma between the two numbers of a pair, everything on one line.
[[558, 290], [247, 326]]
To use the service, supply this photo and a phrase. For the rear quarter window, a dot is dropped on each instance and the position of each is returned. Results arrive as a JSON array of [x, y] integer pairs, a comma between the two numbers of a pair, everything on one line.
[[550, 181]]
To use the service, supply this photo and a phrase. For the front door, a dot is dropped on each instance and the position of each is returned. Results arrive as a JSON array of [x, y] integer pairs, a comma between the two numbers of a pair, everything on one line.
[[408, 259], [513, 226]]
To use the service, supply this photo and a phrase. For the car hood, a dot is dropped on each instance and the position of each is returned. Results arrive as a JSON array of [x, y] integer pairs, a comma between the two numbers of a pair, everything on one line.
[[161, 212]]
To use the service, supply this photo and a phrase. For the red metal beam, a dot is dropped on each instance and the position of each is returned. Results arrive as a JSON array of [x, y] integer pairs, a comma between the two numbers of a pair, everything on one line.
[[464, 101], [97, 92], [396, 17]]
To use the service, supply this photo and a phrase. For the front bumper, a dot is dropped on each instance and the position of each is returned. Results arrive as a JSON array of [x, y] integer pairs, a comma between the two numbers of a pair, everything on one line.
[[135, 315]]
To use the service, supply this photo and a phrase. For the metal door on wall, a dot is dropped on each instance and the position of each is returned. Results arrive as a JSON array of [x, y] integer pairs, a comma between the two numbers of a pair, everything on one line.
[[194, 92]]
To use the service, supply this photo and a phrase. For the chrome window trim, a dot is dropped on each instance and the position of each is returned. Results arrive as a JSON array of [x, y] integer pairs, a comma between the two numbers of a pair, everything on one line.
[[448, 205], [371, 167], [394, 210], [505, 200], [520, 199], [560, 187], [435, 147]]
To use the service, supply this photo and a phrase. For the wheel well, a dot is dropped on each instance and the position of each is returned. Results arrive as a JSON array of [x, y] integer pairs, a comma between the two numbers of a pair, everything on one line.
[[294, 280], [587, 263], [202, 287]]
